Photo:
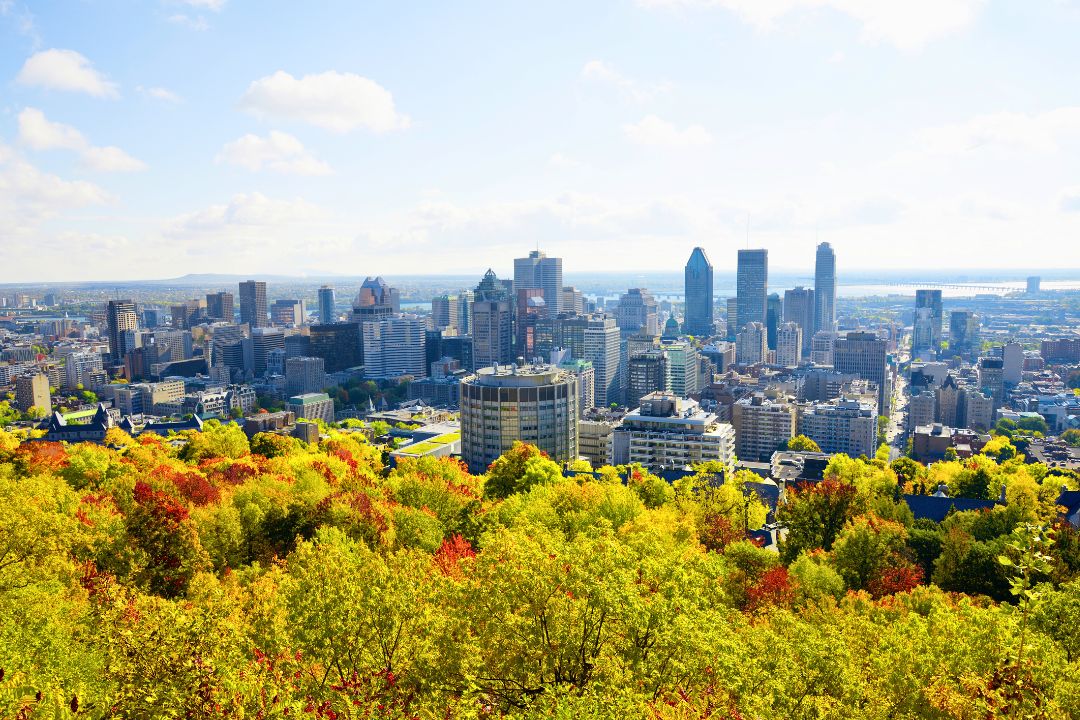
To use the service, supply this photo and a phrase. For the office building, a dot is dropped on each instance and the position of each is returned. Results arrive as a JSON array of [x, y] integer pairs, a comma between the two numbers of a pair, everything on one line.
[[979, 407], [219, 306], [538, 271], [648, 373], [287, 313], [926, 333], [1034, 283], [445, 311], [752, 287], [799, 309], [698, 288], [530, 309], [821, 347], [573, 301], [253, 309], [594, 338], [865, 355], [774, 315], [789, 339], [668, 432], [636, 313], [459, 347], [950, 410], [375, 300], [751, 344], [492, 323], [762, 426], [841, 426], [1012, 356], [121, 319], [311, 406], [534, 404], [586, 378], [305, 375], [327, 305], [262, 341], [683, 367], [32, 392], [186, 315], [963, 332], [992, 378], [394, 346], [732, 319], [338, 344], [825, 288]]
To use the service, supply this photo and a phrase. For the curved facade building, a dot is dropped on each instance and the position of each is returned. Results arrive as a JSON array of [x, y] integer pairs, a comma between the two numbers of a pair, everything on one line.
[[536, 404]]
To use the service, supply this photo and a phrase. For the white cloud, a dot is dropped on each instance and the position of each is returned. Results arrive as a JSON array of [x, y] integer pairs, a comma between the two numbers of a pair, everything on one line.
[[1035, 133], [39, 133], [252, 211], [278, 152], [159, 93], [336, 101], [907, 24], [215, 5], [196, 22], [653, 131], [65, 70], [602, 72], [564, 161], [29, 196], [1069, 199]]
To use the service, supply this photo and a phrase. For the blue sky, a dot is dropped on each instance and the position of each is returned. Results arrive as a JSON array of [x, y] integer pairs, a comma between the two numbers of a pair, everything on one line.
[[151, 139]]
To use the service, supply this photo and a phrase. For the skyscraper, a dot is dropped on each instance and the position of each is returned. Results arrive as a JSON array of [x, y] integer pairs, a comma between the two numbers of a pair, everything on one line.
[[825, 288], [253, 304], [928, 321], [751, 343], [752, 286], [544, 273], [963, 332], [594, 338], [799, 309], [375, 300], [394, 345], [698, 290], [789, 341], [219, 306], [865, 355], [774, 315], [636, 313], [492, 323], [120, 317], [327, 301]]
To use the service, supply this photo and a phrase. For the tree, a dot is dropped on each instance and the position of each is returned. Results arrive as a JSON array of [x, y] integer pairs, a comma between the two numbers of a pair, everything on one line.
[[801, 443], [518, 469], [814, 514], [1071, 437]]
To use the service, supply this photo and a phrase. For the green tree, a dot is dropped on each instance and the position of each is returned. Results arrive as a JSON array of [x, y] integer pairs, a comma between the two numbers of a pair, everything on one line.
[[518, 469], [802, 443]]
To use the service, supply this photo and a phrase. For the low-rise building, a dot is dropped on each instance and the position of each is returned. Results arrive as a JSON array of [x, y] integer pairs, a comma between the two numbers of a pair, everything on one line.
[[311, 406]]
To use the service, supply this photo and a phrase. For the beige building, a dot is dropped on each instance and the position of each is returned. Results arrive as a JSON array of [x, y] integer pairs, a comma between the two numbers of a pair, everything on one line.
[[669, 432], [762, 426]]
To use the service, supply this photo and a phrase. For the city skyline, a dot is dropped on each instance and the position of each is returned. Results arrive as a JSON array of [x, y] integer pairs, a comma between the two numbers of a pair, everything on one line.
[[164, 135]]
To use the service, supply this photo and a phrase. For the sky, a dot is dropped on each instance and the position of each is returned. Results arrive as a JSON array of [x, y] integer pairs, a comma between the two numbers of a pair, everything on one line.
[[154, 138]]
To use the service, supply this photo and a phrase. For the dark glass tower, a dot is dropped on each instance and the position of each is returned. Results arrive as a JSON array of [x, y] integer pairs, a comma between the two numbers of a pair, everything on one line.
[[699, 294], [752, 286]]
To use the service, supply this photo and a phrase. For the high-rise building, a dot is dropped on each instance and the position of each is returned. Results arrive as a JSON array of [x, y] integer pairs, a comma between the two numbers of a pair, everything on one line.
[[79, 367], [534, 404], [32, 391], [762, 426], [327, 305], [1034, 283], [120, 318], [1012, 363], [928, 321], [648, 373], [375, 300], [338, 344], [445, 312], [774, 315], [594, 338], [573, 301], [636, 313], [799, 309], [732, 321], [865, 355], [253, 304], [841, 426], [963, 332], [750, 344], [822, 346], [683, 367], [219, 306], [543, 273], [311, 406], [492, 323], [287, 313], [668, 432], [789, 340], [752, 286], [394, 346], [992, 378], [263, 340], [698, 288], [305, 375], [825, 288], [530, 309]]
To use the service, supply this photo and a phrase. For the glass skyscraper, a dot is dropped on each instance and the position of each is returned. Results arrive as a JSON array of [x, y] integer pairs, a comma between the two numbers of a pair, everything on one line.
[[327, 313], [825, 288], [752, 286], [699, 294]]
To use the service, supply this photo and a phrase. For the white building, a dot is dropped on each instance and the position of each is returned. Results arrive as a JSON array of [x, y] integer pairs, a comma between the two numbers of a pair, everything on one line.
[[789, 341], [751, 344], [841, 426], [79, 367], [395, 346], [762, 426], [671, 432]]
